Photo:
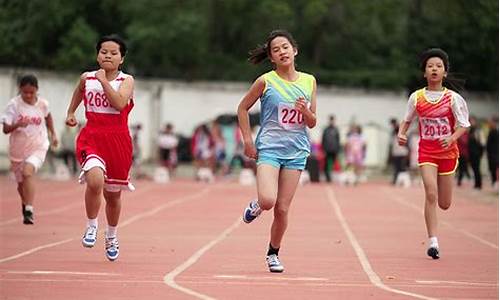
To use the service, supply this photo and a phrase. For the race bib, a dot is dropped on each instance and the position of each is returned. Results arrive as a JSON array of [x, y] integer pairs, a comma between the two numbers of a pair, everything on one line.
[[98, 103], [435, 128], [289, 117]]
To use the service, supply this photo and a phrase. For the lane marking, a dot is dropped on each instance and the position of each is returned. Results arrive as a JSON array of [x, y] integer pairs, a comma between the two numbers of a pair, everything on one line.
[[363, 259], [246, 283], [43, 213], [62, 273], [169, 278], [447, 224], [485, 284], [36, 249], [277, 278], [123, 224]]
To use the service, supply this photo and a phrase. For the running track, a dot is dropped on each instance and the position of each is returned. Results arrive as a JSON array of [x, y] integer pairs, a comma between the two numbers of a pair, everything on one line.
[[185, 240]]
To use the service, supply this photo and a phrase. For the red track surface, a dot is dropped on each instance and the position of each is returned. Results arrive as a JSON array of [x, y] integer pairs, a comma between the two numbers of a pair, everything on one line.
[[184, 240]]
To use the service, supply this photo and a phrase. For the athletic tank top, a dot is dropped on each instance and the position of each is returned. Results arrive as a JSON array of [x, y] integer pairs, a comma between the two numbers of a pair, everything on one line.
[[283, 131], [98, 110]]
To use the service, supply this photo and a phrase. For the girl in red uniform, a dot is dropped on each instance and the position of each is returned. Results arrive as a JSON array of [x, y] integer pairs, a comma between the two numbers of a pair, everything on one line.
[[104, 146], [443, 117]]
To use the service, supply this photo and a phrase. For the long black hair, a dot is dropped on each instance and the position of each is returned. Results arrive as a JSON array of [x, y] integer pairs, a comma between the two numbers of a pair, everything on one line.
[[453, 81], [262, 52]]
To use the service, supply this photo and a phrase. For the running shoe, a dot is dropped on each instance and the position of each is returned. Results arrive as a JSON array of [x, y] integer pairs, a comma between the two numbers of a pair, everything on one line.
[[28, 217], [89, 237], [112, 248], [274, 264], [433, 252], [251, 212]]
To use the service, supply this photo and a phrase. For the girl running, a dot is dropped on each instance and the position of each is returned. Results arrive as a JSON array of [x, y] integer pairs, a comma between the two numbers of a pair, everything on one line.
[[27, 119], [104, 146], [288, 105], [443, 117]]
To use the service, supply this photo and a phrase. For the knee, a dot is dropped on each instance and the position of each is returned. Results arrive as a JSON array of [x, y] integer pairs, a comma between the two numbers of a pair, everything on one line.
[[27, 173], [266, 202], [94, 185], [431, 197], [280, 212], [445, 206]]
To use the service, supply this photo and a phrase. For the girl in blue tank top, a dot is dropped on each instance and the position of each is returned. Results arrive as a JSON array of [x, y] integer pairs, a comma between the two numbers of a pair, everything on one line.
[[288, 105]]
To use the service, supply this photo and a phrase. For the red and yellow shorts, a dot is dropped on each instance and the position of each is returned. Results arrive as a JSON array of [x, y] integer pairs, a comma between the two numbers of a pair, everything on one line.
[[445, 166]]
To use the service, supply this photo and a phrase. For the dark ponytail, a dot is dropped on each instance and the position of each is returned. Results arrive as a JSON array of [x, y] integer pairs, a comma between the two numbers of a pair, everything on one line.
[[262, 52], [258, 54], [453, 81]]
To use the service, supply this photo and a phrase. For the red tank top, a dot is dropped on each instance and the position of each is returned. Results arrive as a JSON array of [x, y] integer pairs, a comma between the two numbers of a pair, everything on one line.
[[436, 121], [98, 111]]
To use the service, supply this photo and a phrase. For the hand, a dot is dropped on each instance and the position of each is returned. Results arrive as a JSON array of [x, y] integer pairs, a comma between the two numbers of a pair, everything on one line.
[[71, 120], [402, 139], [446, 142], [301, 104], [250, 150], [100, 75], [22, 122]]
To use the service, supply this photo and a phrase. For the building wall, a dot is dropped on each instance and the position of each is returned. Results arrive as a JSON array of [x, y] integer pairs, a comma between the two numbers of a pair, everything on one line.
[[186, 105]]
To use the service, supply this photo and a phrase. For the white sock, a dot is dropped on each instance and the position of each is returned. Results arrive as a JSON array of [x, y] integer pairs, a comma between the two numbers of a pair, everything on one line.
[[111, 231], [92, 223], [28, 208], [433, 242]]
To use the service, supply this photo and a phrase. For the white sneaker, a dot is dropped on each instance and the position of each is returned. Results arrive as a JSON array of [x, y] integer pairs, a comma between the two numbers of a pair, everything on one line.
[[112, 248], [89, 237], [274, 264]]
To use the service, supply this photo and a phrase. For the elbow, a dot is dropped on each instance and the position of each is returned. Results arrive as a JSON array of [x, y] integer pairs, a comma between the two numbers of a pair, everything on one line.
[[120, 106], [242, 110]]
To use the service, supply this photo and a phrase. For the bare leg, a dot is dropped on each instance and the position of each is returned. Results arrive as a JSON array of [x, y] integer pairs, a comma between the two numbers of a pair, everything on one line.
[[93, 193], [267, 186], [429, 177], [113, 207], [26, 189], [288, 181], [445, 190]]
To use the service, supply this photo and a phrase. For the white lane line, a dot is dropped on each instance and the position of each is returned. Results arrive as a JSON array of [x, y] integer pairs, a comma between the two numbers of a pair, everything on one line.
[[363, 259], [462, 283], [276, 278], [123, 224], [43, 213], [411, 205], [62, 273], [211, 283], [169, 279], [33, 250]]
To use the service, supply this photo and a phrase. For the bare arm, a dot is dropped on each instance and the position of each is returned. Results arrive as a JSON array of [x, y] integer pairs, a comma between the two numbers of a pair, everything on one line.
[[448, 141], [50, 128], [8, 128], [246, 103], [308, 113], [76, 99], [118, 99], [403, 128]]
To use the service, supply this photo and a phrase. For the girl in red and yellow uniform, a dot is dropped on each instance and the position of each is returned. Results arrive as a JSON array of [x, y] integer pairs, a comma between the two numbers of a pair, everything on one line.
[[443, 117]]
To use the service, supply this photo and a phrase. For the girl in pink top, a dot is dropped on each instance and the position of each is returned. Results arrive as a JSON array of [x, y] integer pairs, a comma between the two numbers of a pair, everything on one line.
[[27, 119]]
